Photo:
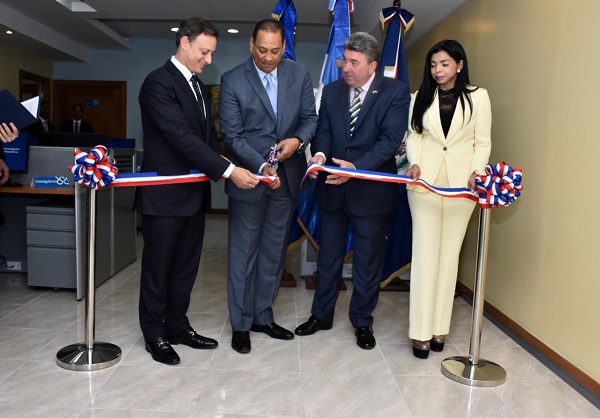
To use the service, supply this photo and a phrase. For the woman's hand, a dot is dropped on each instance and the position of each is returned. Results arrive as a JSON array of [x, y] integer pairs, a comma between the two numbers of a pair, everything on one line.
[[471, 184], [414, 172]]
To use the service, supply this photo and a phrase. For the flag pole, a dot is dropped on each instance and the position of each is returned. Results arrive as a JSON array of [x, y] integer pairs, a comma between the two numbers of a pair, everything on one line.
[[472, 370]]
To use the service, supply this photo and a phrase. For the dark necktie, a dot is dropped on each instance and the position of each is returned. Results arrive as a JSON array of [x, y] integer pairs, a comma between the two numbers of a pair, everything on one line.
[[76, 130], [354, 109], [196, 86], [45, 124]]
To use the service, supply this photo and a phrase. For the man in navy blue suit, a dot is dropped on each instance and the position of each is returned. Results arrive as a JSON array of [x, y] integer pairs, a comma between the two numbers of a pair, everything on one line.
[[362, 120], [178, 137]]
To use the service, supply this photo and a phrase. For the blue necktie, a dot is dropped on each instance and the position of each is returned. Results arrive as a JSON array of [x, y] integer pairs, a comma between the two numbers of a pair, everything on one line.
[[271, 91]]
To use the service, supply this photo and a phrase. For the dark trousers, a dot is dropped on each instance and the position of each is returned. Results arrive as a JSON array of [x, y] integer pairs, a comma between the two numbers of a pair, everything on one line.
[[170, 261], [367, 264]]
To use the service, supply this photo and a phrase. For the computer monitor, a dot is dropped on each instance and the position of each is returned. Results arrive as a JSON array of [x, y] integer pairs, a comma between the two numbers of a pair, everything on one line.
[[70, 139]]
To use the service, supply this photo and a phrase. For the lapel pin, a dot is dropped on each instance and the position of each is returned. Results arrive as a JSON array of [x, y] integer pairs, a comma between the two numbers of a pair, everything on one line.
[[374, 92]]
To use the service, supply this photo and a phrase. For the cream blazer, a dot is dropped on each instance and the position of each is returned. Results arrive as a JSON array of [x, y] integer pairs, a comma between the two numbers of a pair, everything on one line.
[[465, 150]]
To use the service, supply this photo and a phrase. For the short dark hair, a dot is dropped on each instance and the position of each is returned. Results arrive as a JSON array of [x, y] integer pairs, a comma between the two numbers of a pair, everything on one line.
[[269, 25], [79, 105], [193, 27], [365, 43]]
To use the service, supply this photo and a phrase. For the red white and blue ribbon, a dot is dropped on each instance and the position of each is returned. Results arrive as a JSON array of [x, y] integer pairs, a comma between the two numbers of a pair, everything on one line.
[[501, 187], [96, 169]]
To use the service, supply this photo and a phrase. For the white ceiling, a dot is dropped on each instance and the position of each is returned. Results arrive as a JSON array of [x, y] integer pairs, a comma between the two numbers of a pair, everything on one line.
[[49, 29]]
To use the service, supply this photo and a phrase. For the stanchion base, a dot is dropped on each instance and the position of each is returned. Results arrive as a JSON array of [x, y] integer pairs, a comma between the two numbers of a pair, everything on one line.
[[483, 374], [77, 356]]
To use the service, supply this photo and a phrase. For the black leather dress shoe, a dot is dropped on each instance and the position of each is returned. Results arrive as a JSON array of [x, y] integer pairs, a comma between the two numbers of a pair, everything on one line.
[[240, 341], [365, 338], [193, 339], [274, 331], [311, 326], [161, 351]]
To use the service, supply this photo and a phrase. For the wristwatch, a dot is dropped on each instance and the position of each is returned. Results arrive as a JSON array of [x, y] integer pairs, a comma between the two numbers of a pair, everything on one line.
[[301, 146]]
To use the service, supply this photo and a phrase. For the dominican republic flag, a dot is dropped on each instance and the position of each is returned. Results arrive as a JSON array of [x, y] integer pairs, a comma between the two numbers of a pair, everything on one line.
[[398, 247], [285, 12], [308, 210]]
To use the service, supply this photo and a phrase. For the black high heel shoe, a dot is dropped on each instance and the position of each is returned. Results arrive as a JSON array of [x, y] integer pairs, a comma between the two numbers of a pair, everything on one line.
[[421, 349], [437, 343]]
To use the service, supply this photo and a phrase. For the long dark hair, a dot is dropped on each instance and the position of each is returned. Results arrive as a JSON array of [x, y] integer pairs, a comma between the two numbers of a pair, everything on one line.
[[429, 86]]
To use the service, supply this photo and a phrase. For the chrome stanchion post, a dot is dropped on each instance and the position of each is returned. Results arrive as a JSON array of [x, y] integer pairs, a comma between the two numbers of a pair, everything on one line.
[[89, 355], [472, 370]]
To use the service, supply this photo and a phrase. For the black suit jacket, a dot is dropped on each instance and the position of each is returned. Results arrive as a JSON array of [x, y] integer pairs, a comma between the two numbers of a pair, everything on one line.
[[38, 128], [379, 130], [175, 142], [84, 128]]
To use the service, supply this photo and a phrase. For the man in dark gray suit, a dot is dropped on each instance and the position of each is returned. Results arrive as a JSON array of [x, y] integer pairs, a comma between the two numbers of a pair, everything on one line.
[[362, 120], [265, 103], [178, 137]]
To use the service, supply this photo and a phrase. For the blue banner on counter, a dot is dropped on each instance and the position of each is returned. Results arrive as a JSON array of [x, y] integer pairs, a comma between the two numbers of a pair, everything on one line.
[[50, 182]]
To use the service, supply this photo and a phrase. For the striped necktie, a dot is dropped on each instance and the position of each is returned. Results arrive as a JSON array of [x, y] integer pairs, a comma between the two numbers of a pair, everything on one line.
[[354, 109]]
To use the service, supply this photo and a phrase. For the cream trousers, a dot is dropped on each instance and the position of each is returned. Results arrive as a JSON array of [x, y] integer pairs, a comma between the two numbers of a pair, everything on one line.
[[439, 227]]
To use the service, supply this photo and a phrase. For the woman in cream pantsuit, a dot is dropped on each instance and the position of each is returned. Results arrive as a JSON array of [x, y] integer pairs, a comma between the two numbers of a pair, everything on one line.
[[449, 144]]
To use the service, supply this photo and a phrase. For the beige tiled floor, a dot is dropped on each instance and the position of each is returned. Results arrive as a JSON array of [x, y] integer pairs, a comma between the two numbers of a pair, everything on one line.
[[324, 375]]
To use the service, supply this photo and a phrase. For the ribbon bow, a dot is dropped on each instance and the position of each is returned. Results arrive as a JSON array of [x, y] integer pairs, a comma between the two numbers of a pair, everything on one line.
[[500, 187], [94, 169]]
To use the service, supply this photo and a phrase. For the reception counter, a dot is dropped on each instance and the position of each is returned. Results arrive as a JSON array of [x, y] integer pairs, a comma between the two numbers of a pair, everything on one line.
[[37, 228]]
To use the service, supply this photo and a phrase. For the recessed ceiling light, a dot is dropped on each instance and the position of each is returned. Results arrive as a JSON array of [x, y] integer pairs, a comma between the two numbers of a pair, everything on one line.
[[9, 32], [233, 31], [174, 29]]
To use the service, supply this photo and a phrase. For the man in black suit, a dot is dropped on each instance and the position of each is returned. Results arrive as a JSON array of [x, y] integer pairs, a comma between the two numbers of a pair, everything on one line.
[[77, 124], [362, 120], [43, 124], [178, 137]]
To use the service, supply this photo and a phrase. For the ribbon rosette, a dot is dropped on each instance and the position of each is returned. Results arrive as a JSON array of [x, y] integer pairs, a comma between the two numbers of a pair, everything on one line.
[[501, 187], [94, 169]]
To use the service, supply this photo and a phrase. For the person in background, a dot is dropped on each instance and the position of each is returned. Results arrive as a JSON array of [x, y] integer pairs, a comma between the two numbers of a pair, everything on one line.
[[178, 136], [77, 124], [448, 146], [362, 119], [43, 124], [7, 134], [265, 104]]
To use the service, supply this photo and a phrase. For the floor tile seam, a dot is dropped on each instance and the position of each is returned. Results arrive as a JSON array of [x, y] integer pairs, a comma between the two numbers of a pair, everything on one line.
[[23, 362]]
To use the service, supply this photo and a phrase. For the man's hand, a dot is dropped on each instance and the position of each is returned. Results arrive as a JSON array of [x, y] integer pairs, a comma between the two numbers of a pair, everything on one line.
[[243, 178], [414, 172], [319, 159], [270, 171], [336, 179], [8, 134], [3, 172], [287, 148]]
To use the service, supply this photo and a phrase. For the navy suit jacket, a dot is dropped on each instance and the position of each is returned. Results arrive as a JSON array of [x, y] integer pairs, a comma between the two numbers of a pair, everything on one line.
[[378, 132], [175, 142], [249, 125]]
